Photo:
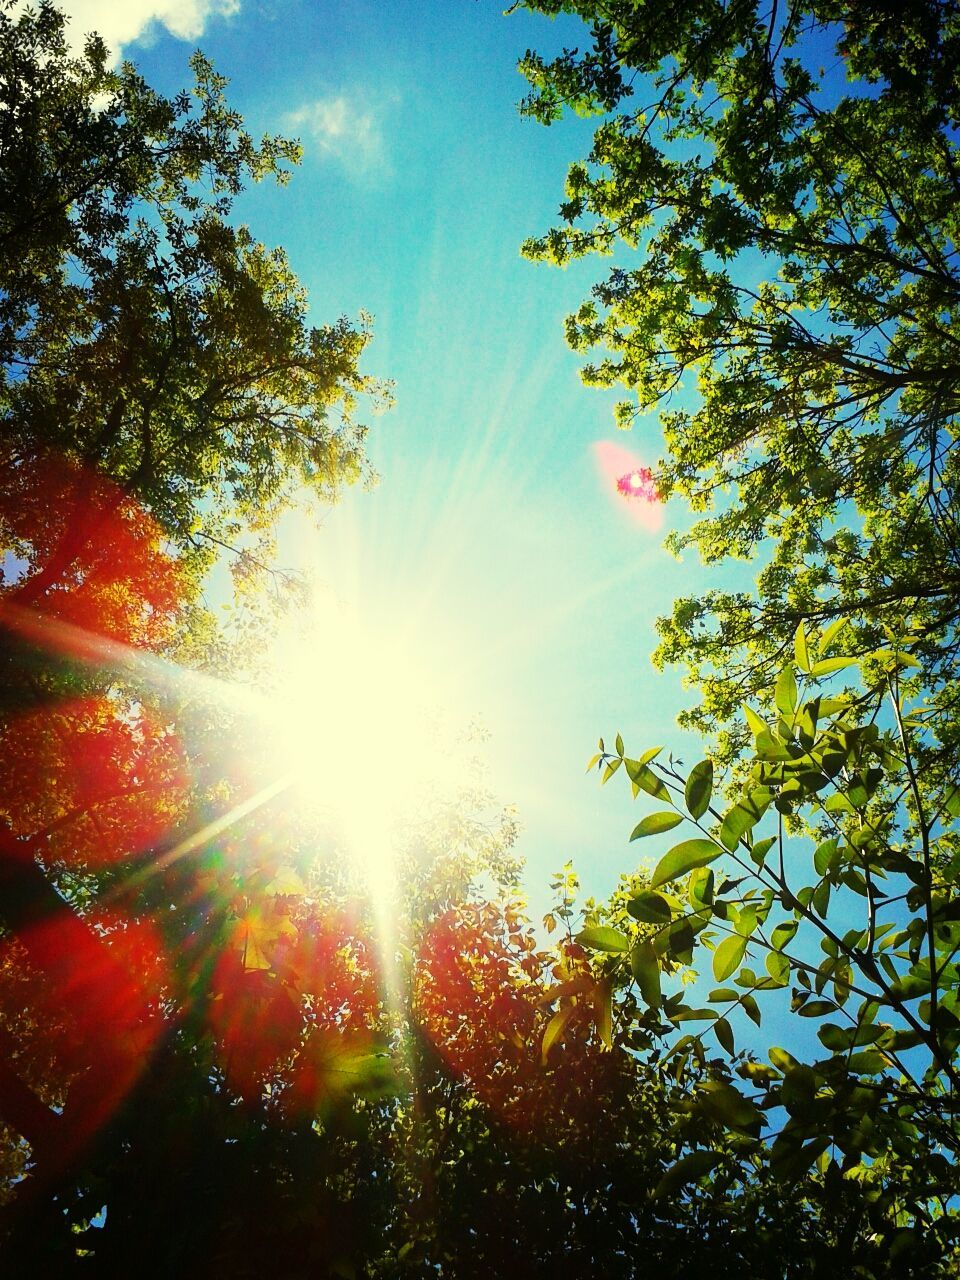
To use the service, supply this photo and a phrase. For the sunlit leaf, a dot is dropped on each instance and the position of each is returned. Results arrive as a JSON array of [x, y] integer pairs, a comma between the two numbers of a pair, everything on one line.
[[600, 937], [650, 907], [785, 692], [800, 650], [683, 858], [554, 1030], [646, 969], [699, 788], [654, 823], [728, 955], [827, 666]]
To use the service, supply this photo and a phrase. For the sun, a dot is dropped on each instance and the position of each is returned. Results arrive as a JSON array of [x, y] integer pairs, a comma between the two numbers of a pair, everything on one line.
[[353, 719]]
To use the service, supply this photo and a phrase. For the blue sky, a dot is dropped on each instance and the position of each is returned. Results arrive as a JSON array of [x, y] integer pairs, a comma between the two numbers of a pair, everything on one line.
[[491, 543]]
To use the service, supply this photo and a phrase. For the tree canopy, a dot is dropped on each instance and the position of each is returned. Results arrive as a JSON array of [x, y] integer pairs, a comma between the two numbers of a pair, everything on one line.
[[779, 186], [214, 1052]]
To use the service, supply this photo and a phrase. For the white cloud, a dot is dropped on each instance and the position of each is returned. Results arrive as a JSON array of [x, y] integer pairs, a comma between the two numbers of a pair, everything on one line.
[[346, 127], [121, 21]]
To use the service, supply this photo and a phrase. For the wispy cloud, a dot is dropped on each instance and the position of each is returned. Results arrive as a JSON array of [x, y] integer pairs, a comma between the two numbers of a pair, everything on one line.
[[347, 127], [120, 22]]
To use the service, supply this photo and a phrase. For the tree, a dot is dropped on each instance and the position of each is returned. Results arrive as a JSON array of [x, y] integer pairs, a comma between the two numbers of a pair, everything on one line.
[[794, 244], [162, 396], [788, 236]]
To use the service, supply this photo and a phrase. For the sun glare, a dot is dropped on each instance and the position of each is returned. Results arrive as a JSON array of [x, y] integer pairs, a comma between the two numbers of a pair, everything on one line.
[[354, 721]]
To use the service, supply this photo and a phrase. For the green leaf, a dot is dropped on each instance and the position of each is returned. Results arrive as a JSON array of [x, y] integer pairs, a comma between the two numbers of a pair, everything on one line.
[[554, 1030], [783, 934], [644, 779], [751, 1008], [826, 856], [827, 666], [744, 816], [800, 650], [650, 908], [759, 851], [683, 858], [869, 1062], [610, 769], [817, 1008], [753, 720], [720, 994], [728, 955], [700, 888], [600, 937], [646, 969], [725, 1035], [699, 788], [725, 1103], [689, 1169], [603, 1010], [654, 823], [831, 633], [785, 692]]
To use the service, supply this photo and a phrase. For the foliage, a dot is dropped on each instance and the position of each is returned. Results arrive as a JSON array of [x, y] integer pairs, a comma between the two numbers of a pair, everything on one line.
[[779, 186], [788, 236], [162, 395], [836, 869], [141, 332]]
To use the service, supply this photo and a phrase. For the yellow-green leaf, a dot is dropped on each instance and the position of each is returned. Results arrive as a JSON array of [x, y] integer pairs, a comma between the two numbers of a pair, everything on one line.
[[683, 858], [827, 666], [699, 788], [785, 692], [728, 955], [646, 970], [554, 1030], [654, 823], [600, 937], [800, 649]]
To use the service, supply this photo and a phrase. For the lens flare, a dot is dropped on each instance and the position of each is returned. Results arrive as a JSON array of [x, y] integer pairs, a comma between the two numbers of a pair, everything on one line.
[[631, 483]]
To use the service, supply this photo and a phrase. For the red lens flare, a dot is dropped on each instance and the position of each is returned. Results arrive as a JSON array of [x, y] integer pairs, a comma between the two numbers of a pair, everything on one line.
[[87, 780]]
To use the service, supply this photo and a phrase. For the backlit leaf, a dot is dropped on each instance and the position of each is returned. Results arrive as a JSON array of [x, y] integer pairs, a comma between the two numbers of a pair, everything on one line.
[[683, 858], [699, 788], [689, 1169], [646, 969], [654, 823], [555, 1029], [800, 650], [827, 666], [600, 937], [785, 692], [728, 955], [651, 908]]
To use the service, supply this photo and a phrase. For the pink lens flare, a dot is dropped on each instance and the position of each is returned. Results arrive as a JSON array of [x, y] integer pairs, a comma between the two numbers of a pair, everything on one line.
[[638, 484], [630, 483]]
